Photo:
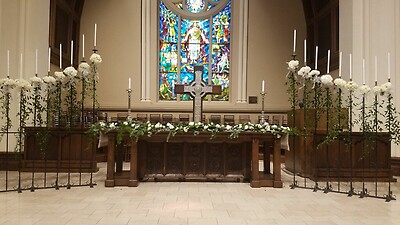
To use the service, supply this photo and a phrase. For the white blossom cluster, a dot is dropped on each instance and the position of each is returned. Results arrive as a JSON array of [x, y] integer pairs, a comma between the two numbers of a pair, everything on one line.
[[96, 58], [327, 80]]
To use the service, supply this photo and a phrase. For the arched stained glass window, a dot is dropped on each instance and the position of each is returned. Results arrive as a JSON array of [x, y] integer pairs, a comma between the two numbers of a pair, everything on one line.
[[194, 32]]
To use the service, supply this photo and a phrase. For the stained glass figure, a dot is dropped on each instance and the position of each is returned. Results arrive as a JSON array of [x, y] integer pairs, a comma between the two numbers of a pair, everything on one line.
[[185, 43]]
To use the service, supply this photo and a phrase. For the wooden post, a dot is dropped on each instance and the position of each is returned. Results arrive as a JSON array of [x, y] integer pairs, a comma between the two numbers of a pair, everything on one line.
[[110, 181], [133, 181], [255, 176]]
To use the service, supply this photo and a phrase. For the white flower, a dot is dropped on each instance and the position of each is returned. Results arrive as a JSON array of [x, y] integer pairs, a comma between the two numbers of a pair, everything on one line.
[[60, 76], [125, 123], [191, 123], [293, 65], [70, 71], [228, 127], [218, 126], [158, 125], [96, 58], [36, 81], [23, 84], [304, 71], [102, 124], [205, 127], [387, 85], [112, 125], [339, 82], [49, 80], [351, 86], [246, 127], [274, 127], [186, 129], [364, 89], [327, 80], [7, 83], [170, 126], [84, 68], [314, 73]]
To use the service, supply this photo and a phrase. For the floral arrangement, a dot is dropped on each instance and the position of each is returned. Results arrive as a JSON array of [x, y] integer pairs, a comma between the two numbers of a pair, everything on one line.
[[95, 58], [136, 129], [327, 80], [84, 68]]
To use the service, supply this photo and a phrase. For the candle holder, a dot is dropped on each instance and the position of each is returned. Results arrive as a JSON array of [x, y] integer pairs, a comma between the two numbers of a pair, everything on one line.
[[129, 117], [262, 118]]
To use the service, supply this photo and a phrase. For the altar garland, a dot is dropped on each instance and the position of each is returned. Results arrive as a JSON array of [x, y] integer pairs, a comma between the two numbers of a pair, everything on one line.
[[136, 129]]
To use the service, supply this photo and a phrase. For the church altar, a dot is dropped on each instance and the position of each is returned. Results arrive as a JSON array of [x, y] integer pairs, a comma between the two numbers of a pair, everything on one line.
[[188, 157]]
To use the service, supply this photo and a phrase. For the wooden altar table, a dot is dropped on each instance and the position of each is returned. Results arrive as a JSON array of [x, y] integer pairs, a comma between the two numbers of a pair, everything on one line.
[[188, 157]]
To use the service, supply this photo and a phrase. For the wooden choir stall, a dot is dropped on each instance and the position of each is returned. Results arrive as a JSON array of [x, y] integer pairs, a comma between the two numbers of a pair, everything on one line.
[[188, 157]]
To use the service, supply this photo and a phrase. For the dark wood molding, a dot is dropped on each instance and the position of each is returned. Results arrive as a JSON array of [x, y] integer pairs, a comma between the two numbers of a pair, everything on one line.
[[395, 162]]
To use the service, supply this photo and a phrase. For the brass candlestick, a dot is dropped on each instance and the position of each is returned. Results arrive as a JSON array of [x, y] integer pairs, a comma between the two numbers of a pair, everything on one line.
[[129, 117], [262, 118]]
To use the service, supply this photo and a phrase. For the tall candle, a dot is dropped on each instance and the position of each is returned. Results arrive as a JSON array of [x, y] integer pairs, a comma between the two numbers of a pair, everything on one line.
[[83, 46], [129, 83], [305, 52], [36, 60], [388, 65], [8, 63], [48, 63], [72, 52], [350, 67], [20, 67], [340, 64], [95, 35], [376, 68], [329, 60], [60, 56], [263, 86], [316, 57], [363, 71]]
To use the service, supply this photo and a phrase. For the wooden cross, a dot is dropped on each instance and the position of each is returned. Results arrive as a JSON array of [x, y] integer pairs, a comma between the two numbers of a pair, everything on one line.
[[198, 89]]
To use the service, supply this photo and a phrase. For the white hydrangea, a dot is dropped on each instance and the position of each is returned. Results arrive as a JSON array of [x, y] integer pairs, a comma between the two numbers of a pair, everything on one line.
[[23, 84], [314, 73], [84, 68], [387, 85], [170, 126], [339, 82], [96, 58], [60, 76], [304, 71], [36, 81], [351, 86], [70, 71], [364, 89], [293, 65], [49, 80], [327, 80], [7, 83]]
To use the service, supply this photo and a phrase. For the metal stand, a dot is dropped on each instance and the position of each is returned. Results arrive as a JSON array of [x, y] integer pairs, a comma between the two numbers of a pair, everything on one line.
[[262, 118], [129, 117]]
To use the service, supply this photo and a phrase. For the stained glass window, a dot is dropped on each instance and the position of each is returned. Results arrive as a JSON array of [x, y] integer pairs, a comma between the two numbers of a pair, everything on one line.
[[185, 43]]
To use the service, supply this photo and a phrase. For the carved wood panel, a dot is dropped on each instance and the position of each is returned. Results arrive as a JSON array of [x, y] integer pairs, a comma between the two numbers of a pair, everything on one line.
[[174, 158], [194, 159], [234, 156], [215, 158], [154, 158]]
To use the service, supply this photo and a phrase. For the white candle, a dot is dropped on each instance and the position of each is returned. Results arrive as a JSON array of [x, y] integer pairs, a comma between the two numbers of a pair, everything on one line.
[[388, 65], [376, 68], [36, 60], [363, 71], [305, 52], [329, 60], [60, 56], [8, 63], [72, 52], [83, 46], [129, 83], [316, 57], [263, 86], [95, 35], [294, 41], [20, 67], [350, 67], [340, 64], [48, 63]]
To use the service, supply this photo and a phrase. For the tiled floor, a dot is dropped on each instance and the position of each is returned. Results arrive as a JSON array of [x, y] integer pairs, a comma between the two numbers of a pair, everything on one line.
[[193, 204]]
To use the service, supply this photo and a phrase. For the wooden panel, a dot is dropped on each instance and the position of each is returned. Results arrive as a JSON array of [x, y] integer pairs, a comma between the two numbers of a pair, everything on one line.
[[174, 158], [214, 159], [194, 159]]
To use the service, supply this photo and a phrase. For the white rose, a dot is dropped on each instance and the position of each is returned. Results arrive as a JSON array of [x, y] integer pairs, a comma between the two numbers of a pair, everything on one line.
[[125, 123], [228, 127], [191, 123], [84, 68], [314, 73], [23, 84], [387, 85]]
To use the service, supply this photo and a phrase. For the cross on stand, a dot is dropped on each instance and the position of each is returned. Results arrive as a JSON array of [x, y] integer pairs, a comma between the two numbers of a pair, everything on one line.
[[198, 89]]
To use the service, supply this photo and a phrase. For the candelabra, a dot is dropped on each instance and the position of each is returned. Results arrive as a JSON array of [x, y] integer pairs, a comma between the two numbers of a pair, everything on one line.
[[129, 118], [262, 119]]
